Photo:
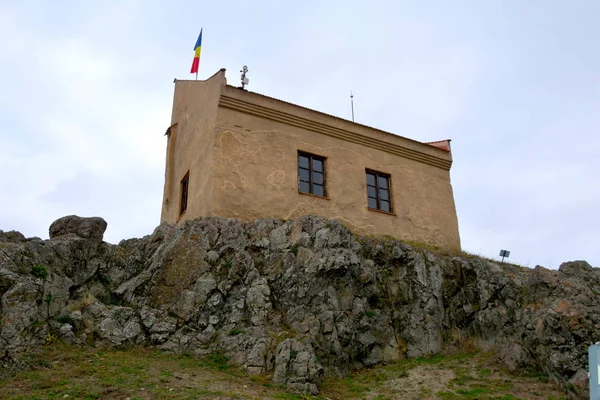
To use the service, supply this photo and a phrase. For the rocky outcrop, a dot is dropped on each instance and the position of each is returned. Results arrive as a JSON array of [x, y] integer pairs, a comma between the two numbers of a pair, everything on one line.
[[297, 299]]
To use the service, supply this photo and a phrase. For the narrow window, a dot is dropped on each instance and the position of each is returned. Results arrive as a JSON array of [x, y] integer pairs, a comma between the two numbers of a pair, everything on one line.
[[311, 174], [185, 182], [378, 191]]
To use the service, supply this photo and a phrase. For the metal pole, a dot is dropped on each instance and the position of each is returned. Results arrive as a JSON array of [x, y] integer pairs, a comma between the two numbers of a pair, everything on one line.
[[352, 104], [196, 75]]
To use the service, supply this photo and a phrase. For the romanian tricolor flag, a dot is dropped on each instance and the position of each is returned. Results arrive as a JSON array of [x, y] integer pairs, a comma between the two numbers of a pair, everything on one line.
[[197, 48]]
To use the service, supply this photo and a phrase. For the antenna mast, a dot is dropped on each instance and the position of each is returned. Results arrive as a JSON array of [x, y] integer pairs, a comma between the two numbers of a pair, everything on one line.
[[352, 104]]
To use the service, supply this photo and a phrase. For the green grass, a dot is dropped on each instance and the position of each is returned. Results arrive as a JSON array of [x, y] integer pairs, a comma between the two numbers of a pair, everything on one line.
[[39, 271], [538, 375], [470, 376], [60, 371], [65, 319]]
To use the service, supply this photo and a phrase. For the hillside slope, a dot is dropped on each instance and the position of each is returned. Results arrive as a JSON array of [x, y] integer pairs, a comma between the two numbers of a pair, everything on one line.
[[60, 371]]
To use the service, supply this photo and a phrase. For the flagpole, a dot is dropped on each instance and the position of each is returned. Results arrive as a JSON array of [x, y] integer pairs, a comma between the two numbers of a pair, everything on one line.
[[196, 75]]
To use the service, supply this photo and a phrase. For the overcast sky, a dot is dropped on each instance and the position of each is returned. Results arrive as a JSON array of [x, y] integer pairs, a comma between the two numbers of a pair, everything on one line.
[[86, 90]]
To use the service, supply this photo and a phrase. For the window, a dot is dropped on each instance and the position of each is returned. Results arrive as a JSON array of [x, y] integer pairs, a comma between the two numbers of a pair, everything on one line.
[[311, 174], [378, 191], [185, 182]]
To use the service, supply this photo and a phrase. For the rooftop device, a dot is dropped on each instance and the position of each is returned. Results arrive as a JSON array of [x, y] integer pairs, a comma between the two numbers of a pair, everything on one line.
[[245, 80]]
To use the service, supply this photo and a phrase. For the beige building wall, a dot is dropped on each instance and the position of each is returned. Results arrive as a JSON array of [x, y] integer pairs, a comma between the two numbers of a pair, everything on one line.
[[253, 167], [190, 145]]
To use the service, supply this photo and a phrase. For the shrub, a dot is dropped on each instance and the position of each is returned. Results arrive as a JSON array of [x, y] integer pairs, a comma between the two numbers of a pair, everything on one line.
[[111, 300], [65, 319], [39, 271], [218, 361]]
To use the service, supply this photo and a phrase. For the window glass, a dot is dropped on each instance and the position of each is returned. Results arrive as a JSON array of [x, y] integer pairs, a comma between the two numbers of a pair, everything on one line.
[[184, 193], [383, 182], [372, 203], [317, 178], [317, 165], [385, 205], [304, 175], [378, 191], [303, 161], [371, 191], [304, 187], [318, 190], [370, 179], [384, 194], [311, 174]]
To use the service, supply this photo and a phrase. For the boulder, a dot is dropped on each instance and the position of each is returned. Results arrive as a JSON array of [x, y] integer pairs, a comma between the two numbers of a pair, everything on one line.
[[86, 228]]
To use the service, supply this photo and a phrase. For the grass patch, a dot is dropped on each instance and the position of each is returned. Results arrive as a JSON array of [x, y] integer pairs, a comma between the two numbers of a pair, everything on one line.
[[538, 375], [61, 371], [217, 361], [423, 246], [65, 319], [39, 271], [456, 376]]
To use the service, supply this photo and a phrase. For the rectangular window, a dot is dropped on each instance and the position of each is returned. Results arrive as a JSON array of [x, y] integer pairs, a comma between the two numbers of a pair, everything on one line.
[[185, 182], [378, 191], [311, 174]]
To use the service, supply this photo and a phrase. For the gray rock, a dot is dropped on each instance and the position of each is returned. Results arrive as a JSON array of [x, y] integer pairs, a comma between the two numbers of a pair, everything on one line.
[[116, 325], [275, 294], [297, 367], [12, 237], [20, 310], [512, 356], [86, 228]]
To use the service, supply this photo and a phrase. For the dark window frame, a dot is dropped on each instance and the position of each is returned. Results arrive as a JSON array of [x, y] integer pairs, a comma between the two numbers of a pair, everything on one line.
[[380, 191], [184, 190], [312, 173]]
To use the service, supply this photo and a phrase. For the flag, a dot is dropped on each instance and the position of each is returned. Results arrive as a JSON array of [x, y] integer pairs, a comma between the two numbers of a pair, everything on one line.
[[197, 48]]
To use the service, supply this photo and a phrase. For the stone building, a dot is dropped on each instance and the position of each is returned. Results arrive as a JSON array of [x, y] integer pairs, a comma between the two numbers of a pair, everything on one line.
[[239, 154]]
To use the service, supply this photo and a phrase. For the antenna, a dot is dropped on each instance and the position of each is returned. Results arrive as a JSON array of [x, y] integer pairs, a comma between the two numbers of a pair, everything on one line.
[[245, 81], [352, 104]]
